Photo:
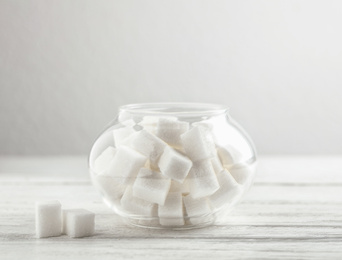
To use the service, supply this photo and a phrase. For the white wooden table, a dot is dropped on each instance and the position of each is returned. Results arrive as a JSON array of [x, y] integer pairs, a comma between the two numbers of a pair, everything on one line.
[[293, 211]]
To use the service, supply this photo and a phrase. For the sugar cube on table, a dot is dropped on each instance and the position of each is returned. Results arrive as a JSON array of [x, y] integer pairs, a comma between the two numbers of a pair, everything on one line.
[[228, 155], [198, 144], [137, 206], [109, 187], [78, 223], [151, 186], [126, 165], [148, 145], [171, 214], [48, 219], [102, 162], [242, 173], [121, 134], [197, 210], [228, 192], [202, 179], [64, 215], [170, 130], [174, 165]]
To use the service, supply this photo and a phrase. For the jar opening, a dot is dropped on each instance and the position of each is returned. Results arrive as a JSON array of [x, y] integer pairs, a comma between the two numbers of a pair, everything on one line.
[[174, 109]]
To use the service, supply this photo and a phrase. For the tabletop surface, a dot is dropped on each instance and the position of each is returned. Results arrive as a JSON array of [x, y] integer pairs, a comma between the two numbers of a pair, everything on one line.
[[293, 211]]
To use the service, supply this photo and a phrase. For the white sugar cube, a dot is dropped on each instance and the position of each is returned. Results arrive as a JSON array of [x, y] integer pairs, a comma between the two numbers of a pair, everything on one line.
[[149, 123], [149, 145], [153, 167], [126, 165], [48, 219], [170, 130], [217, 165], [229, 155], [198, 144], [242, 173], [205, 123], [109, 187], [197, 210], [121, 134], [64, 219], [137, 206], [125, 116], [180, 187], [171, 214], [196, 207], [79, 223], [174, 165], [228, 192], [202, 180], [151, 186], [128, 141], [129, 122], [102, 162]]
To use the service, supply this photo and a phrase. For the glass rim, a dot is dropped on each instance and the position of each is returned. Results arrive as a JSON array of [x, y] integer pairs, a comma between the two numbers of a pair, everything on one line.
[[175, 108]]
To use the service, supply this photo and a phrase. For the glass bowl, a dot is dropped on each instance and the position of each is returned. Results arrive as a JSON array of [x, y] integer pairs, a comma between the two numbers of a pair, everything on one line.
[[172, 165]]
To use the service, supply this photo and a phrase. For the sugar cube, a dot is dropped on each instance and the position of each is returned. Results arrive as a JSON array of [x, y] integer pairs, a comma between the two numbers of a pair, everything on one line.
[[149, 123], [102, 162], [217, 165], [204, 123], [109, 187], [148, 145], [170, 130], [121, 134], [202, 179], [128, 141], [228, 192], [197, 210], [64, 219], [198, 144], [242, 173], [125, 116], [126, 164], [229, 155], [151, 186], [79, 223], [48, 219], [129, 122], [137, 206], [153, 167], [174, 165], [180, 187], [171, 214]]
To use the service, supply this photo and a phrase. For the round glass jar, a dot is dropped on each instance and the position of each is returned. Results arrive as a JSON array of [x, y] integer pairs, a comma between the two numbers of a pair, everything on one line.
[[172, 165]]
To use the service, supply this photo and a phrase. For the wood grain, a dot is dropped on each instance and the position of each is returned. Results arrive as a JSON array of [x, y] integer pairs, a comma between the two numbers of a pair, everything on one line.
[[293, 211]]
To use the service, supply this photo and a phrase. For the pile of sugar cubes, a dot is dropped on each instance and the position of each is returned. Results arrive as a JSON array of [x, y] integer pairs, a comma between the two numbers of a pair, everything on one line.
[[169, 170], [52, 221]]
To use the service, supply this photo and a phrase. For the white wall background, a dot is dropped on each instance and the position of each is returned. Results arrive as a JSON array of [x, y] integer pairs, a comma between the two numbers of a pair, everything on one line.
[[65, 67]]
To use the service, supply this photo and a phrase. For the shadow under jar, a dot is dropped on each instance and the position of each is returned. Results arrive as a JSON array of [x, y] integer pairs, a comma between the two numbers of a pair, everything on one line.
[[172, 165]]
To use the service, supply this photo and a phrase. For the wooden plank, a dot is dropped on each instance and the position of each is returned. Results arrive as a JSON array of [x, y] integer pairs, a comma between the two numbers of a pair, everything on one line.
[[288, 207], [319, 170], [172, 249], [285, 215]]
